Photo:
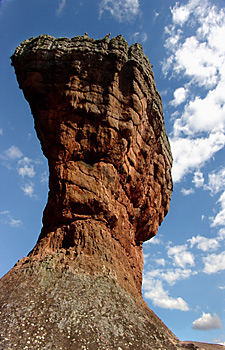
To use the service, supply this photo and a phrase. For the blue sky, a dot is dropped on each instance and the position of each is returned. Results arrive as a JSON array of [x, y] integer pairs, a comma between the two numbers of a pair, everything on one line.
[[184, 273]]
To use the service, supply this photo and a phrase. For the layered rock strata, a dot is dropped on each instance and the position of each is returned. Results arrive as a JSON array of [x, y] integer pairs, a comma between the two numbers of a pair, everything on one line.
[[99, 118]]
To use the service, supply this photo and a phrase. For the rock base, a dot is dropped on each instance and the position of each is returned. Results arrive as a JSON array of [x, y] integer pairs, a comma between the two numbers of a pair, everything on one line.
[[48, 308]]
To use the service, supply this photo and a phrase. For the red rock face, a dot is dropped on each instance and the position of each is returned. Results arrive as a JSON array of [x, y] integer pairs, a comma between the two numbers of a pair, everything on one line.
[[99, 119]]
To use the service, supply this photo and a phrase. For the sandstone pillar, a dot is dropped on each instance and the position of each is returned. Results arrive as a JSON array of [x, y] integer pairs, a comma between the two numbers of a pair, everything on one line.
[[99, 118]]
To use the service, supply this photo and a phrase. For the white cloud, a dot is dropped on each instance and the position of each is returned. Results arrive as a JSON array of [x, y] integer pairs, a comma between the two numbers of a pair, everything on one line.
[[44, 177], [154, 240], [120, 9], [195, 60], [174, 37], [221, 234], [156, 15], [181, 257], [25, 168], [216, 181], [145, 256], [6, 218], [198, 131], [203, 114], [154, 291], [28, 189], [1, 132], [135, 36], [15, 223], [13, 158], [214, 263], [207, 322], [219, 219], [144, 37], [161, 262], [10, 155], [172, 276], [180, 96], [141, 37], [5, 212], [189, 154], [13, 153], [61, 6], [204, 243], [206, 48], [187, 192], [198, 179], [180, 14]]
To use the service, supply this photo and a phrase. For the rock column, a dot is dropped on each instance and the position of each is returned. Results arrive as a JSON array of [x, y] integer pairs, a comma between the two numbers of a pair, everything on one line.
[[99, 118]]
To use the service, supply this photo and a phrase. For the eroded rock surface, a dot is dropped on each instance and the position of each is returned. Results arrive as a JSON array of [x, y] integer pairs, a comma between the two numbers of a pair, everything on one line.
[[99, 119]]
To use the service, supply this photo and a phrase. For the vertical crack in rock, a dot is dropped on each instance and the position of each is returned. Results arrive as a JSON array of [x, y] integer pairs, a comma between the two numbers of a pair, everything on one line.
[[99, 118]]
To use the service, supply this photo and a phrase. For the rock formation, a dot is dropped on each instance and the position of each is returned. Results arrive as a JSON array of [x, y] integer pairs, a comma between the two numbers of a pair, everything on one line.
[[99, 118]]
